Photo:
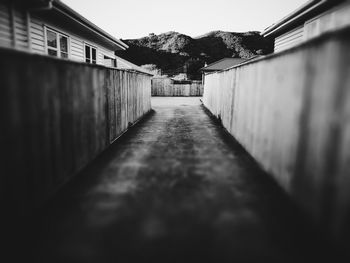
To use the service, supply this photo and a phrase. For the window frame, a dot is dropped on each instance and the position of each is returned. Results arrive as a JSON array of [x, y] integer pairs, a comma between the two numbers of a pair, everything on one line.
[[113, 60], [96, 51], [58, 48]]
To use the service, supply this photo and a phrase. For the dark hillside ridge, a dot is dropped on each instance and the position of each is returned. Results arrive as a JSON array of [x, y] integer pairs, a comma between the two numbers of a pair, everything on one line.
[[174, 52]]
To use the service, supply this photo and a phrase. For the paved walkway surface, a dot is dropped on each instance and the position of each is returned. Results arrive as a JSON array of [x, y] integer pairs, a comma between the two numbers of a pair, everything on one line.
[[176, 188]]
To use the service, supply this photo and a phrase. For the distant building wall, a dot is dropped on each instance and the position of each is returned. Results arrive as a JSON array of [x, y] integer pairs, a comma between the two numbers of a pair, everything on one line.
[[291, 111], [56, 116], [167, 87]]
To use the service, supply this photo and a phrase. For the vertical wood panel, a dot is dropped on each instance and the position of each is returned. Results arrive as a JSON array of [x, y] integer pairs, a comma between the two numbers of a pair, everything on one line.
[[59, 116], [291, 113], [165, 87]]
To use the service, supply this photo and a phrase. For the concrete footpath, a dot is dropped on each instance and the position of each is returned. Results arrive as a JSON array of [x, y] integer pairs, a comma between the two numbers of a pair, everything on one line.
[[176, 188]]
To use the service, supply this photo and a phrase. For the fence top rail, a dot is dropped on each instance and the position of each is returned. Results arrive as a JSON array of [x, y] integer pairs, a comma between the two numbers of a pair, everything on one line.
[[340, 34], [21, 53]]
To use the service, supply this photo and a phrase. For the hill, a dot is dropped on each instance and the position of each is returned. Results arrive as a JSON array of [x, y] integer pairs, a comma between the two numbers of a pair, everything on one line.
[[174, 52]]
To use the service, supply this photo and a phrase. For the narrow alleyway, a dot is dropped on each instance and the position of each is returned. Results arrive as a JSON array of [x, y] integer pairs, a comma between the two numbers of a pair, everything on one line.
[[176, 188]]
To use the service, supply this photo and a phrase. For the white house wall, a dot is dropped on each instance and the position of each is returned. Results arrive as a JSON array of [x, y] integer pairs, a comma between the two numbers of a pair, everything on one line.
[[289, 39], [122, 64], [5, 26], [335, 18], [37, 36], [13, 27], [26, 32], [104, 52], [77, 50], [21, 29]]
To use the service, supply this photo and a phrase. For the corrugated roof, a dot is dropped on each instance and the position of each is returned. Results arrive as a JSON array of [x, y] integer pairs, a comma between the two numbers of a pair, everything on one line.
[[223, 64]]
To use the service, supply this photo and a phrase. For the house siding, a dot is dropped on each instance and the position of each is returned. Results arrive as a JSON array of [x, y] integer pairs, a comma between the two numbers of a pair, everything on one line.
[[289, 39], [122, 64], [104, 52], [76, 43], [37, 36], [20, 23], [77, 49], [13, 27], [5, 26], [335, 18], [24, 31]]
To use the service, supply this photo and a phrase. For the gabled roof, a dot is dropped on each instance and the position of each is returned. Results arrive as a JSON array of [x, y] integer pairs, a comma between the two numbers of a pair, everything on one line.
[[305, 12], [63, 9], [223, 64]]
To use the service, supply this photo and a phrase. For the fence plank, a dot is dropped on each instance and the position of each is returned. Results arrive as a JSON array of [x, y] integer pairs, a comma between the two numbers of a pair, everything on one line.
[[291, 113], [58, 116], [166, 87]]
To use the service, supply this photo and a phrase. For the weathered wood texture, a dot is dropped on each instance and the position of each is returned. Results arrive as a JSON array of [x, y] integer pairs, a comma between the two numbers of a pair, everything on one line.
[[291, 113], [56, 117], [166, 87]]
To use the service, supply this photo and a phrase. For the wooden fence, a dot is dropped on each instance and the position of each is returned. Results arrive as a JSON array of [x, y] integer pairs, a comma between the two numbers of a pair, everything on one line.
[[291, 113], [56, 117], [167, 87]]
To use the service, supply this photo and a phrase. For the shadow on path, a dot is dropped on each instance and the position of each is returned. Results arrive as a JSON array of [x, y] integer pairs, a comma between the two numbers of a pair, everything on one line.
[[176, 188]]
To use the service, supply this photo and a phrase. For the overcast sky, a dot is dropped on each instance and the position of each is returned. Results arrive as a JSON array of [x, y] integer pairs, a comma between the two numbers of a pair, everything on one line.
[[137, 18]]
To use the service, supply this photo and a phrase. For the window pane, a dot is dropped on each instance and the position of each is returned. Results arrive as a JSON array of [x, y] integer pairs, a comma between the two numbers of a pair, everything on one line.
[[87, 52], [51, 39], [94, 62], [64, 44], [64, 55], [52, 52], [93, 53]]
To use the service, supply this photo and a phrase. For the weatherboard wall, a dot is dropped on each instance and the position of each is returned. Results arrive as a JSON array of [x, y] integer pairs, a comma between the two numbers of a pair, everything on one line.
[[76, 43], [335, 18], [6, 37], [289, 39], [13, 27], [330, 20], [291, 111], [25, 31]]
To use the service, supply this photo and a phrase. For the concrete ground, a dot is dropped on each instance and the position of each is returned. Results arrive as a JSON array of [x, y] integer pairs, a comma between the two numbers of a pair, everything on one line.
[[175, 188]]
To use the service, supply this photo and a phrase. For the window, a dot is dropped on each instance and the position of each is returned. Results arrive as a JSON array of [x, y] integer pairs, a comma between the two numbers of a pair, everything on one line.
[[110, 62], [57, 44], [64, 46], [90, 54]]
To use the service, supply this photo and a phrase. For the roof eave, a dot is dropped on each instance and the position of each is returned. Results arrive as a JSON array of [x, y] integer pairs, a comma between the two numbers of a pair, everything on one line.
[[296, 16], [215, 62], [63, 8], [207, 68]]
